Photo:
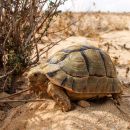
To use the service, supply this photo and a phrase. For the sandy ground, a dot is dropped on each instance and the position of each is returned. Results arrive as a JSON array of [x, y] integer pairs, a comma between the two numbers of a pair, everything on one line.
[[101, 115], [48, 116]]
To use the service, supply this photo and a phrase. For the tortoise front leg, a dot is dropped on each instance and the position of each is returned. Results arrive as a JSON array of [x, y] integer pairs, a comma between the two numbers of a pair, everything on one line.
[[59, 96]]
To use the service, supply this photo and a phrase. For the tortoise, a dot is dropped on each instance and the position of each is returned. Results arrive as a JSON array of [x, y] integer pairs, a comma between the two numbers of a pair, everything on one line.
[[78, 72]]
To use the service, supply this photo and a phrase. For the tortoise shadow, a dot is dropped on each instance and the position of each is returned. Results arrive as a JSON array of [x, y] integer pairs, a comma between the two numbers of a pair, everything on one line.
[[108, 105]]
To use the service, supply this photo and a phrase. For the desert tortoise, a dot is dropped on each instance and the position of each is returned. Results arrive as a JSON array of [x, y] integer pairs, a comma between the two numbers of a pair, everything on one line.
[[78, 72]]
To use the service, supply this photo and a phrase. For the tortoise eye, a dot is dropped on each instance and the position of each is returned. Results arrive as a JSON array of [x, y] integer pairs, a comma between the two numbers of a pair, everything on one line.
[[35, 74]]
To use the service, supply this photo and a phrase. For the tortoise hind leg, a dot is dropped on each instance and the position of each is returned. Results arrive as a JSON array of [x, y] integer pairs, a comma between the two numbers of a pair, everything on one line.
[[59, 96], [117, 98]]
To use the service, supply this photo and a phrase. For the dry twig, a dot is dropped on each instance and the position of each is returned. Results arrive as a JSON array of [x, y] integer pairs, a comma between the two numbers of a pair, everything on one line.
[[20, 21]]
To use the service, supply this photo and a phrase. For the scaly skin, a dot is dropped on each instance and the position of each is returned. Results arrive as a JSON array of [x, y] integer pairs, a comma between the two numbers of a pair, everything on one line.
[[60, 97], [39, 83]]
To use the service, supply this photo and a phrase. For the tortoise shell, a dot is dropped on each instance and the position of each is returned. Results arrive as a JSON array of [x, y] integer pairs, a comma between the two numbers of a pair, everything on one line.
[[83, 69]]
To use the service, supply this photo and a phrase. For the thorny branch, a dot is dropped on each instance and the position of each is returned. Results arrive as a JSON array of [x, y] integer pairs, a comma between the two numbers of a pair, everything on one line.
[[20, 21]]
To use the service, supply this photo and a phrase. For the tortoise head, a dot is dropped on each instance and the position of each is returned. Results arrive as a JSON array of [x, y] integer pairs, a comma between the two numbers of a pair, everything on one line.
[[37, 79]]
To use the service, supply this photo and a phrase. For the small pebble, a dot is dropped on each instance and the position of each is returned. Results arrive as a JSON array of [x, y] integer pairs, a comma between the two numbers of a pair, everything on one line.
[[83, 103]]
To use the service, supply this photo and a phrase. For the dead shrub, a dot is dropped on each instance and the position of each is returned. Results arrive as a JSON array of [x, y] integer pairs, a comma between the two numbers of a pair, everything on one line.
[[20, 20]]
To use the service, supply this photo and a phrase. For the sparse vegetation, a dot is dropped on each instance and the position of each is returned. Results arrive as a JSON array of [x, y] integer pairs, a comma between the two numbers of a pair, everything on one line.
[[91, 24], [19, 22]]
